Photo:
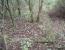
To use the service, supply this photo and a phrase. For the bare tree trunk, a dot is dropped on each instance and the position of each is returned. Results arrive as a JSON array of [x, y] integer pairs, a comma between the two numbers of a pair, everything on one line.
[[40, 8], [19, 10], [4, 43], [4, 47], [8, 9], [30, 8]]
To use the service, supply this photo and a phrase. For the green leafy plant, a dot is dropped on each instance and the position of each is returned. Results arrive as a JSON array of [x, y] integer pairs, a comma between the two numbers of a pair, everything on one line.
[[25, 43]]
